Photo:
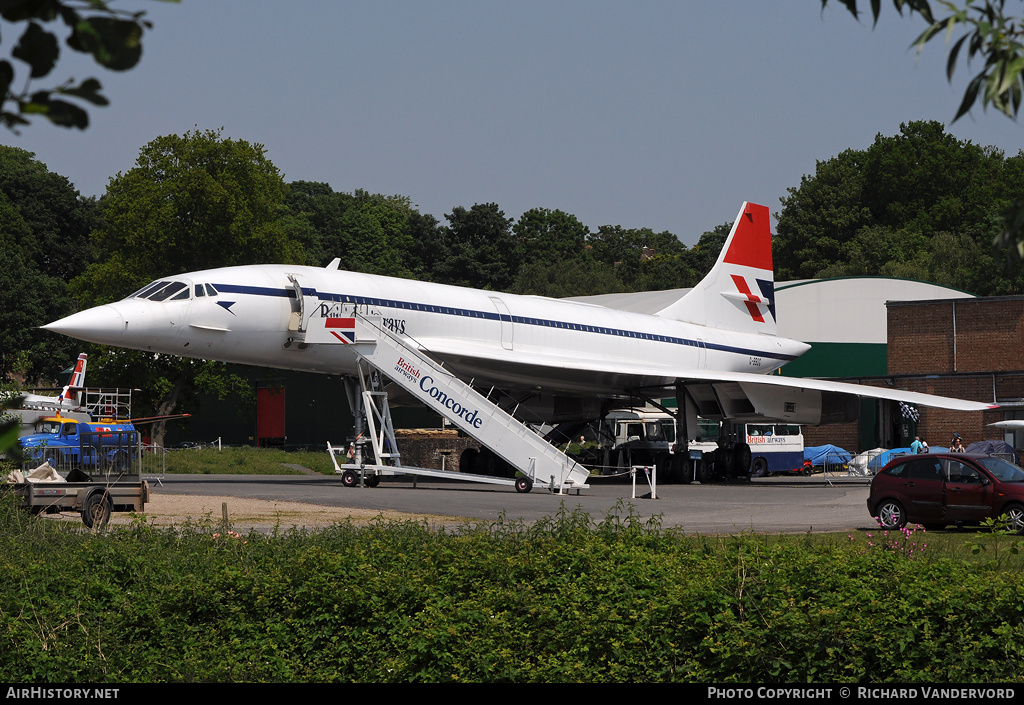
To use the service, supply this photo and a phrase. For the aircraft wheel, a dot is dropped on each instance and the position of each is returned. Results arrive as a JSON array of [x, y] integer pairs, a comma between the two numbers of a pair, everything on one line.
[[523, 485], [350, 478], [96, 511]]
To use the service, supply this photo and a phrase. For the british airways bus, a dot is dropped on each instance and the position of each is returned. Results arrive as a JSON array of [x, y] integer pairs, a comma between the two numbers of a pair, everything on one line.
[[775, 448]]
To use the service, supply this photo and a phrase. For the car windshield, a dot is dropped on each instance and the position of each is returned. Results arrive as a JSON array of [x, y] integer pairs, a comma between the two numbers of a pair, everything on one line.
[[1003, 470]]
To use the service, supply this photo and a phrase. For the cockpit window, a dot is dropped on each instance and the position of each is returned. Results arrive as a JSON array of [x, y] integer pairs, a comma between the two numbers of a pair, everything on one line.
[[148, 289], [205, 290], [165, 290], [169, 291]]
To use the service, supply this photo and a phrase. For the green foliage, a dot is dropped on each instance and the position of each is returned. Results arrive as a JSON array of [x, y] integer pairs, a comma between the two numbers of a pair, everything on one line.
[[191, 202], [551, 237], [988, 33], [920, 205], [44, 226], [647, 261], [574, 278], [371, 233], [479, 249], [112, 37], [567, 599]]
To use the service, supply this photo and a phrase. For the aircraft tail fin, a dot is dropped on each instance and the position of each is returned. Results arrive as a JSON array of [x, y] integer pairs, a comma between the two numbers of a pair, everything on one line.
[[739, 292], [73, 390]]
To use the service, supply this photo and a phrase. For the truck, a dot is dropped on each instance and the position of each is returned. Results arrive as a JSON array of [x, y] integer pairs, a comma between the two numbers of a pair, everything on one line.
[[643, 436], [81, 466], [87, 447]]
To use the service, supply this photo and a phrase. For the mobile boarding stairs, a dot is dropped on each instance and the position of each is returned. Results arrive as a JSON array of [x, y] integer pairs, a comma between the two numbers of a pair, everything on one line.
[[381, 352]]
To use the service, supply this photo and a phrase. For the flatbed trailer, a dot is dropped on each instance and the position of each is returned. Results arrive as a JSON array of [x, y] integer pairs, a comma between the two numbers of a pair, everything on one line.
[[93, 500]]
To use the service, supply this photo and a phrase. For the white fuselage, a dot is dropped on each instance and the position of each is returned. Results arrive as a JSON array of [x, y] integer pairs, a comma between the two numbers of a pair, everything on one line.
[[491, 336]]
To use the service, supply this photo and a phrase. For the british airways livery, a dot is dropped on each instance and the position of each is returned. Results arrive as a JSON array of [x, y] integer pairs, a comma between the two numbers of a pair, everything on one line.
[[716, 346], [69, 399]]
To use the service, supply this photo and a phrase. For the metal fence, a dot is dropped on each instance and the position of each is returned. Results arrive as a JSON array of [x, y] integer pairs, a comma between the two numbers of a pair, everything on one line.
[[152, 463]]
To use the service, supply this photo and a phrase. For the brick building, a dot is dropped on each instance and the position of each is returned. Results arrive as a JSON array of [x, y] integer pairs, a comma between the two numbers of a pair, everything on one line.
[[972, 349], [969, 348]]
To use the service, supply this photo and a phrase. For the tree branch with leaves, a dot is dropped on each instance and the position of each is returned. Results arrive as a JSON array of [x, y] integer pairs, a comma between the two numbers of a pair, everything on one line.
[[113, 38], [987, 33]]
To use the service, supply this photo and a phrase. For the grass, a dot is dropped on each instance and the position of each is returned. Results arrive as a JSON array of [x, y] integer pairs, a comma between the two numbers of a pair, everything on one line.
[[245, 461]]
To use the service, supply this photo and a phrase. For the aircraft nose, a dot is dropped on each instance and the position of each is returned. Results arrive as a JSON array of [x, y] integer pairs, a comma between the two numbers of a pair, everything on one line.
[[103, 324]]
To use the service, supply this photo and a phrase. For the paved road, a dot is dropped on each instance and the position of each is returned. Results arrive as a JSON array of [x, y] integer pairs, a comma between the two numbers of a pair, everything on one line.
[[770, 505]]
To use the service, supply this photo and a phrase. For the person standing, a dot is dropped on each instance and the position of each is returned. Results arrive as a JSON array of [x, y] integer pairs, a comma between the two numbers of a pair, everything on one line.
[[915, 447]]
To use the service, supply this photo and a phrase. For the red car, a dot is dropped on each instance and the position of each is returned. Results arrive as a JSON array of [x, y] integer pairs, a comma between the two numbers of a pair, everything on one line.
[[938, 489]]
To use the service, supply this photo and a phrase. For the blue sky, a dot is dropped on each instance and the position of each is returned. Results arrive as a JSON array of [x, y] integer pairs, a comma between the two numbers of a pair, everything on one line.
[[660, 114]]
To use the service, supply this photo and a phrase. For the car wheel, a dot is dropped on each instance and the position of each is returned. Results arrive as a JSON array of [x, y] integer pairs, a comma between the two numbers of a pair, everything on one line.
[[1014, 518], [891, 515]]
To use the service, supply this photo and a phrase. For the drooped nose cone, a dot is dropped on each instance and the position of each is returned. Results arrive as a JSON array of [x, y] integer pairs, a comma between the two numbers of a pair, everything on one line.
[[103, 324]]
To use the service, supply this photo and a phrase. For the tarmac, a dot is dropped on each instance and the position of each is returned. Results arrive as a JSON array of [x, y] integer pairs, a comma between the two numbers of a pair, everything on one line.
[[763, 505]]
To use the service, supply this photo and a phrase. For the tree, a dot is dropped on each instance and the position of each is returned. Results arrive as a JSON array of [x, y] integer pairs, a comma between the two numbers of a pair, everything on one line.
[[558, 280], [44, 229], [112, 37], [643, 259], [549, 236], [479, 249], [191, 202], [880, 210], [371, 233], [705, 253], [989, 33]]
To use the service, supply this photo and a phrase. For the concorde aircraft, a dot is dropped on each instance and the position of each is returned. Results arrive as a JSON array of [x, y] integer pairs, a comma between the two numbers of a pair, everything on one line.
[[716, 347], [69, 399]]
